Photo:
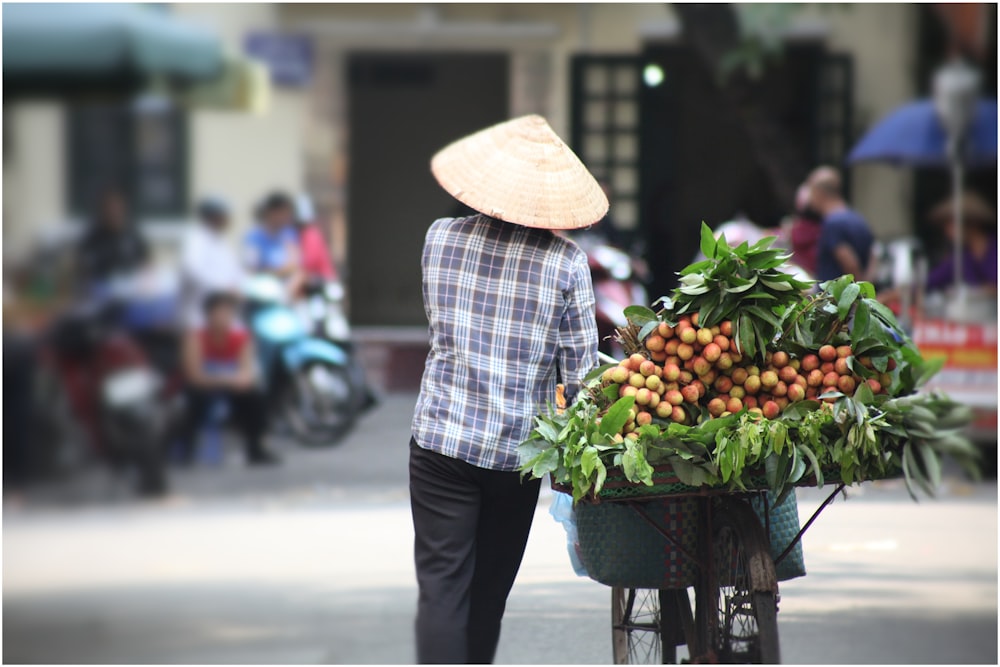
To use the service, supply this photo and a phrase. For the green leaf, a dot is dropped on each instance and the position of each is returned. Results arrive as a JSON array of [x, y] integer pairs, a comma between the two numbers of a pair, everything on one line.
[[640, 315], [862, 323], [602, 474], [611, 392], [929, 370], [816, 469], [847, 299], [689, 473], [546, 463], [648, 328], [589, 460], [597, 372], [617, 415], [932, 464], [547, 429], [708, 242]]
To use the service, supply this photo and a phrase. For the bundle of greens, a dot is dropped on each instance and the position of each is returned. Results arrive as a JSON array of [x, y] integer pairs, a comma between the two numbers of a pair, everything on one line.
[[741, 376]]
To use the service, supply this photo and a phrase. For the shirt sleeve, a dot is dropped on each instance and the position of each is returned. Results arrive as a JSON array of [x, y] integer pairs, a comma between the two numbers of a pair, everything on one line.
[[578, 337]]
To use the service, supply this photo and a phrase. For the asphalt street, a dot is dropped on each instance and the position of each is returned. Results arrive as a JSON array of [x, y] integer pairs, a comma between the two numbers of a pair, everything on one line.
[[311, 562]]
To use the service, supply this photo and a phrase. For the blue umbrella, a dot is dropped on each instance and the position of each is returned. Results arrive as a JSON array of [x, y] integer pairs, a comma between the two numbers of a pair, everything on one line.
[[913, 135]]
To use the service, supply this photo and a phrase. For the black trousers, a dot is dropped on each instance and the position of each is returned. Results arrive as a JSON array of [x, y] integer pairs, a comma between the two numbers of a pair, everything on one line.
[[248, 410], [471, 526]]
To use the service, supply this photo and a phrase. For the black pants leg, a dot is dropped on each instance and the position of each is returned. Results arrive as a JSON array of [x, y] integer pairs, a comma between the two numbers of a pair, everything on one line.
[[250, 417], [471, 526], [196, 404], [506, 510]]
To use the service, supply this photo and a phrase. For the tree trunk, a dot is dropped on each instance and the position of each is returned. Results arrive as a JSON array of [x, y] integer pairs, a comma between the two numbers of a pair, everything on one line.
[[712, 30]]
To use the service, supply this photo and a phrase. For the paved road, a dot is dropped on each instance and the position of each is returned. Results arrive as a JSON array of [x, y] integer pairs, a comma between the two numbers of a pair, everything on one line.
[[311, 563]]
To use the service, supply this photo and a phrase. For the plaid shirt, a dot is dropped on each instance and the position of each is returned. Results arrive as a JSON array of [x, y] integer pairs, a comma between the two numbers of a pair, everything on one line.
[[506, 305]]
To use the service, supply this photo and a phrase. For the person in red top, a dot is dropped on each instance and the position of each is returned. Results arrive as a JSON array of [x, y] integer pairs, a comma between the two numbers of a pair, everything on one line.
[[314, 255], [806, 230], [218, 362]]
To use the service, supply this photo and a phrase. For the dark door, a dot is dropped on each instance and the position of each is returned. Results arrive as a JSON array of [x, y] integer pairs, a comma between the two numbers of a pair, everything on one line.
[[694, 160], [403, 107]]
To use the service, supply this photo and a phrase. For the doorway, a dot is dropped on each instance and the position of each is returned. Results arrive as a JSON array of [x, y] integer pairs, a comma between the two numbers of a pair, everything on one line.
[[403, 107]]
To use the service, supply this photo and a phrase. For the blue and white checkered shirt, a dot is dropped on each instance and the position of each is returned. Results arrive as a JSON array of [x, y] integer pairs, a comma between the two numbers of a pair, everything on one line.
[[506, 305]]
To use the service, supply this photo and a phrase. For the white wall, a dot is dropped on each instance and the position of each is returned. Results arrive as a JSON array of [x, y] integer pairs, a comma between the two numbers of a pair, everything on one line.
[[238, 155], [33, 167]]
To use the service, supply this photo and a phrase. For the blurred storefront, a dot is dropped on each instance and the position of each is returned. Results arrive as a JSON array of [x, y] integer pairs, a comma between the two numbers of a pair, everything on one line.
[[164, 143], [363, 94]]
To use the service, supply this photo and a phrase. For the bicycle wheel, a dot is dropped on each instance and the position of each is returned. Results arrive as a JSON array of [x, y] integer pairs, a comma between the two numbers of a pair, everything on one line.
[[645, 625], [746, 628]]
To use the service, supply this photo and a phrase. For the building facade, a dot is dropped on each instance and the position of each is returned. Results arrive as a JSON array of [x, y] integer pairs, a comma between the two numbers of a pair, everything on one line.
[[388, 84]]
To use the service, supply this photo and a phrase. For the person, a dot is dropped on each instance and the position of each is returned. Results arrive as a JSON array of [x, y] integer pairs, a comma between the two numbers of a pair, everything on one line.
[[272, 246], [316, 264], [208, 262], [218, 364], [805, 232], [510, 306], [979, 241], [112, 245], [845, 243]]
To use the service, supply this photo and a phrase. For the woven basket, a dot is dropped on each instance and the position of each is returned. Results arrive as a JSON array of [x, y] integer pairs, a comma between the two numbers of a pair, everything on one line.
[[784, 525], [619, 548]]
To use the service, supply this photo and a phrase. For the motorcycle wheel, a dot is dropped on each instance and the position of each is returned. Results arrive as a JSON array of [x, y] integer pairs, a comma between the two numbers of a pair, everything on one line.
[[318, 404]]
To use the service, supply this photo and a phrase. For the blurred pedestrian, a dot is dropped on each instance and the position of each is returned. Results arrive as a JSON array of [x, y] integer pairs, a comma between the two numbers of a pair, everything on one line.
[[316, 263], [209, 262], [219, 366], [112, 245], [272, 246], [510, 305], [845, 243], [804, 236], [979, 244]]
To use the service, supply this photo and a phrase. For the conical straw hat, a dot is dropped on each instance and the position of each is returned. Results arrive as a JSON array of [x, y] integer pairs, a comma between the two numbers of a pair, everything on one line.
[[520, 171]]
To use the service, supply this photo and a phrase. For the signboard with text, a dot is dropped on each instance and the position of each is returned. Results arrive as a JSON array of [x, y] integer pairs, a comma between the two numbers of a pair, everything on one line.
[[288, 57], [969, 374]]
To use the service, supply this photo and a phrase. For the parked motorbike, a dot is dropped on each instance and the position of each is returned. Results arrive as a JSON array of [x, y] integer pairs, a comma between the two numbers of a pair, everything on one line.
[[97, 384], [323, 311], [308, 377]]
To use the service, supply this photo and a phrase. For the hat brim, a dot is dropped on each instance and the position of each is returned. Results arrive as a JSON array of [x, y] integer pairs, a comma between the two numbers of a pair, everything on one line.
[[521, 172]]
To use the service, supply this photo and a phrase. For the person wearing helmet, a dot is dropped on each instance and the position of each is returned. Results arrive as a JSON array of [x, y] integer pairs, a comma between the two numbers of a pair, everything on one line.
[[208, 261]]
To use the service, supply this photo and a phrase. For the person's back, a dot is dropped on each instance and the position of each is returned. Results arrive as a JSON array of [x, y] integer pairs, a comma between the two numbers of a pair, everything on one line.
[[496, 296], [208, 263], [508, 303], [845, 241], [845, 226]]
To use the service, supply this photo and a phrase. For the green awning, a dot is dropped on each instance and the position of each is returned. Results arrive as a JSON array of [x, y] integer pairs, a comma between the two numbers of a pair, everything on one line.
[[58, 46]]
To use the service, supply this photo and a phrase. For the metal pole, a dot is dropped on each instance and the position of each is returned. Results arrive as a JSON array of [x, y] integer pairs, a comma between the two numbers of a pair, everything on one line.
[[958, 250]]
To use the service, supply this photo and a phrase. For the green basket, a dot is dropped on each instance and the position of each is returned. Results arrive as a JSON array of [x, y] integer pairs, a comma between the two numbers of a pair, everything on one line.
[[619, 548], [784, 524]]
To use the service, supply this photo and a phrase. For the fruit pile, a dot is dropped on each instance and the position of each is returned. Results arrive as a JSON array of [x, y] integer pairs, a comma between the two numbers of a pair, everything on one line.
[[742, 372], [685, 367]]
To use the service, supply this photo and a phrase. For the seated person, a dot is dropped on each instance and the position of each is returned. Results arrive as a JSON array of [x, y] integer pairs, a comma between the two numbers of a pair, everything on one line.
[[218, 364], [111, 245], [979, 245]]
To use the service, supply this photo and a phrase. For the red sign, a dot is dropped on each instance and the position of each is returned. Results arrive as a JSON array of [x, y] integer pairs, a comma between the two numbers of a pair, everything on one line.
[[970, 353]]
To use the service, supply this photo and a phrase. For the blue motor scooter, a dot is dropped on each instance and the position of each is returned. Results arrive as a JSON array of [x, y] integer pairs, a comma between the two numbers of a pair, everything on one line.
[[307, 378]]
